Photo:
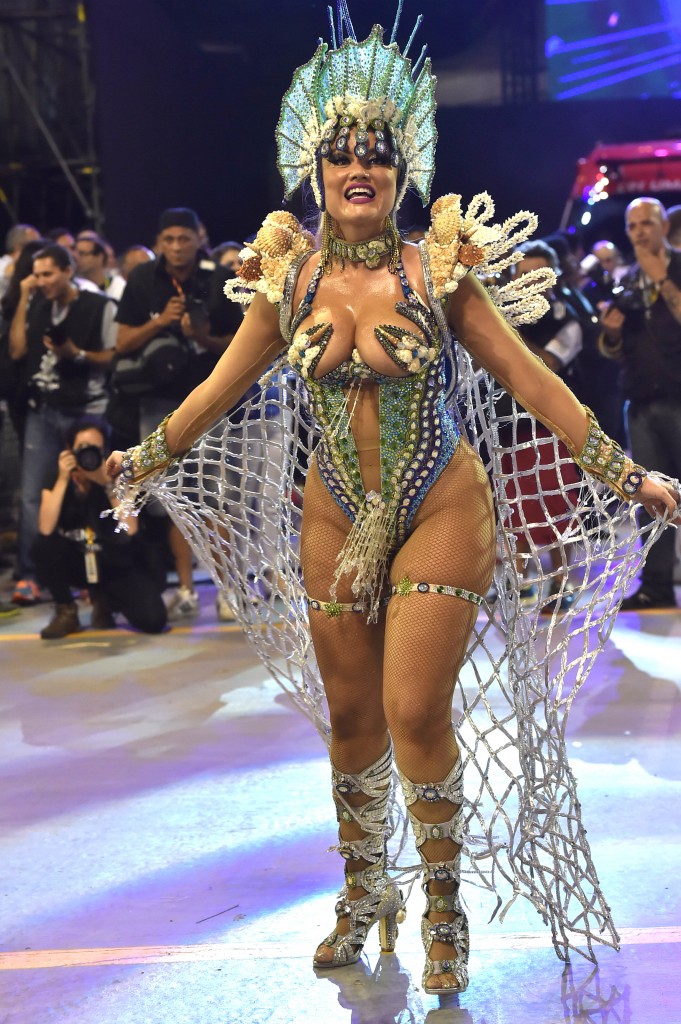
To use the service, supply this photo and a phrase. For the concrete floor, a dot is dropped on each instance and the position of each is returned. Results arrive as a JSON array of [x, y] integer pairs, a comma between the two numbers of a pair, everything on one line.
[[164, 819]]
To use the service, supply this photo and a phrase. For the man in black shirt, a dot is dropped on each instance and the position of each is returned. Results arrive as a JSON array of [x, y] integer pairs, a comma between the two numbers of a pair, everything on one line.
[[64, 340], [642, 327], [77, 547], [180, 297]]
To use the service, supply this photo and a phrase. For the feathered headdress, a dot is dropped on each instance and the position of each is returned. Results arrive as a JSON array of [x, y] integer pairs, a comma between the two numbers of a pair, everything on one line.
[[368, 84]]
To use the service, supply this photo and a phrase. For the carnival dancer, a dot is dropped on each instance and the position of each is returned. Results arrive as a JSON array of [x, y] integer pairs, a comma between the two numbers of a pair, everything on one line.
[[398, 533]]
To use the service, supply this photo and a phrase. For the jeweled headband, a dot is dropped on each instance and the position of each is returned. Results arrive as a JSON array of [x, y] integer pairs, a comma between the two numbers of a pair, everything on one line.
[[370, 85]]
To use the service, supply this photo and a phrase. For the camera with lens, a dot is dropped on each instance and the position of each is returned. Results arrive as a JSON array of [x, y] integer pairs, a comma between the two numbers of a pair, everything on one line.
[[627, 298], [89, 457], [57, 333]]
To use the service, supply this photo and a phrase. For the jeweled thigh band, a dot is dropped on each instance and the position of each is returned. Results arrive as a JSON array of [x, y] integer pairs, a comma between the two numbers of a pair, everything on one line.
[[402, 589]]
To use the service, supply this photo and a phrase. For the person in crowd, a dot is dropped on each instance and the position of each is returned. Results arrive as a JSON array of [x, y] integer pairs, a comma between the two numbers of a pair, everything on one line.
[[65, 338], [178, 296], [64, 237], [92, 264], [610, 259], [398, 533], [88, 234], [556, 339], [593, 378], [15, 240], [132, 257], [642, 329], [227, 254], [13, 378], [79, 548], [674, 221], [602, 269]]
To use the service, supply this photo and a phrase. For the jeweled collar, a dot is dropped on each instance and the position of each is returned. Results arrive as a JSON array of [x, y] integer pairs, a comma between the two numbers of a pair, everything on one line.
[[369, 252]]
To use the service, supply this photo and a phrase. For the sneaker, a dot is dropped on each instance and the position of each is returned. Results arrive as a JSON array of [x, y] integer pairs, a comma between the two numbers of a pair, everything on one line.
[[27, 592], [182, 603], [641, 601], [223, 608], [64, 621], [559, 602], [528, 593]]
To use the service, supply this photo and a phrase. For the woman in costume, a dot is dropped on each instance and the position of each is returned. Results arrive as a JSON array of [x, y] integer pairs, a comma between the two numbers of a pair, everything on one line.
[[397, 546]]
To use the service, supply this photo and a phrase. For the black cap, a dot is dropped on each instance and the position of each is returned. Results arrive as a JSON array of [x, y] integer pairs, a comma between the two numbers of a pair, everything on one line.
[[178, 217]]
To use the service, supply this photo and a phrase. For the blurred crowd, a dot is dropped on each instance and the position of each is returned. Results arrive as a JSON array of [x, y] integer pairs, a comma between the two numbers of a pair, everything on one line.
[[96, 347]]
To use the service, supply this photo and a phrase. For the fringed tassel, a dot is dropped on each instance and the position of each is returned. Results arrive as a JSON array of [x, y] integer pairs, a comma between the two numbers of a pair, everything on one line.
[[366, 552]]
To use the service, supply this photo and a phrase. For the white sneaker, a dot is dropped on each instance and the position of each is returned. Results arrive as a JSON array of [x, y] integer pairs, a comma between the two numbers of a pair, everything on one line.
[[224, 608], [182, 603]]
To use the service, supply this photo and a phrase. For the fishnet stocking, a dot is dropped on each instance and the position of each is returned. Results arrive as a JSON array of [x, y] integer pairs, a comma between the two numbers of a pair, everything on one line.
[[400, 672]]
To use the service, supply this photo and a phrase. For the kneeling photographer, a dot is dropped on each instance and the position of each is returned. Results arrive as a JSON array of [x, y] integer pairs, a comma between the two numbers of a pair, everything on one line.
[[77, 548]]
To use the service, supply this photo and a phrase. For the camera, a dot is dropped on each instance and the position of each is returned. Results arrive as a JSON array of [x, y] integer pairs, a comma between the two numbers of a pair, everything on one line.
[[57, 333], [627, 298], [89, 457]]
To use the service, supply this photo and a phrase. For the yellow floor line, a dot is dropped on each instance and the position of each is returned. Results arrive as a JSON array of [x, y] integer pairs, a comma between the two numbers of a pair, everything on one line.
[[81, 639], [37, 959]]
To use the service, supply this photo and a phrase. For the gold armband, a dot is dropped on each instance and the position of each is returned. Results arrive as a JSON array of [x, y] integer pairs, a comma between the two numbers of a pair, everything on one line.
[[149, 455], [603, 458]]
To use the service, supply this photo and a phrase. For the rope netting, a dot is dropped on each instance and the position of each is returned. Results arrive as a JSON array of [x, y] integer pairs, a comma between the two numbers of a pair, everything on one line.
[[237, 498]]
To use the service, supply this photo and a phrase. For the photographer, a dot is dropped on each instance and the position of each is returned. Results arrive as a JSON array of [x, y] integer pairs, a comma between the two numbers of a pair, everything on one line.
[[62, 341], [642, 328], [76, 547], [175, 323]]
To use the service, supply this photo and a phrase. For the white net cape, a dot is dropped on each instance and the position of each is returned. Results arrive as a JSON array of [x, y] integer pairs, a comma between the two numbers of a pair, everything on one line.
[[237, 498]]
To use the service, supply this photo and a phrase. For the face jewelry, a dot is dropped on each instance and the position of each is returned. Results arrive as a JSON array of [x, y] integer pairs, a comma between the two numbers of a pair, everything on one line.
[[370, 84]]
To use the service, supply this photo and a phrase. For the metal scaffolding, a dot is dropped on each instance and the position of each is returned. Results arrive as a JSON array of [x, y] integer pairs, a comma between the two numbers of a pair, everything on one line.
[[49, 167], [522, 60]]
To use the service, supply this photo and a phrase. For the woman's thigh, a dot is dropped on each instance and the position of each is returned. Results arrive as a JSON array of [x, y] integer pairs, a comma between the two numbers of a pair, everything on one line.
[[349, 650], [452, 543]]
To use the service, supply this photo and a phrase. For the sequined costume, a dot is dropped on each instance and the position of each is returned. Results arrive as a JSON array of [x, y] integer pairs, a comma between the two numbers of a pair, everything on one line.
[[417, 434], [521, 830]]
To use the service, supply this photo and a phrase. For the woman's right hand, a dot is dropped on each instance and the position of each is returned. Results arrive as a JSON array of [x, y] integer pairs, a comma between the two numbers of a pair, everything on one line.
[[114, 464]]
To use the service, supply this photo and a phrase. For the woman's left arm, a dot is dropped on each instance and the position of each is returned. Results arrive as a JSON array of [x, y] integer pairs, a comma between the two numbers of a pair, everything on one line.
[[496, 346]]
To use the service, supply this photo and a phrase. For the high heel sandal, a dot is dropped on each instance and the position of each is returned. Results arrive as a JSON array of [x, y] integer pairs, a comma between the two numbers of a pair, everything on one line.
[[382, 902], [455, 932]]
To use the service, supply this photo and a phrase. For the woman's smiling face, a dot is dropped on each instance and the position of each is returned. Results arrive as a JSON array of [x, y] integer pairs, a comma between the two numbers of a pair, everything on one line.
[[359, 192]]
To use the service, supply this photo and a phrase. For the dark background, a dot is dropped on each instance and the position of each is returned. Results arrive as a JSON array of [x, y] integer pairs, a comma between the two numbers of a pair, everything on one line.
[[188, 97]]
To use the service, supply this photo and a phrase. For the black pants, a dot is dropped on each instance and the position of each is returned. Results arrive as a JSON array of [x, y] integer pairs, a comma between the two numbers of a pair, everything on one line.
[[655, 437], [60, 565]]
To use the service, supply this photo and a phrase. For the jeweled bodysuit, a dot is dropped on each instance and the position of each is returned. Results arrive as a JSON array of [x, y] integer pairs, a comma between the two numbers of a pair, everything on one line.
[[418, 436]]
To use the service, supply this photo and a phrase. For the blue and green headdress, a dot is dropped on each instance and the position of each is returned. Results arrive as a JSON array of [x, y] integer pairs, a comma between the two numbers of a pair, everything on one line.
[[367, 85]]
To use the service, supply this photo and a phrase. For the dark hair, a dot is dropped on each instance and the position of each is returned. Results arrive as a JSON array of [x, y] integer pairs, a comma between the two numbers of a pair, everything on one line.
[[222, 248], [23, 266], [538, 250], [88, 423], [98, 247], [54, 233], [60, 256]]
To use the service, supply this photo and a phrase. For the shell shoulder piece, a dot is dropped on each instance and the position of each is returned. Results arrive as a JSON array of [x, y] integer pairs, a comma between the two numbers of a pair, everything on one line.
[[266, 261], [459, 242]]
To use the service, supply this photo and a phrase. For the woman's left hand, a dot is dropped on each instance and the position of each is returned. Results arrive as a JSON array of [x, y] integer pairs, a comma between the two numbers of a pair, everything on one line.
[[658, 497]]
